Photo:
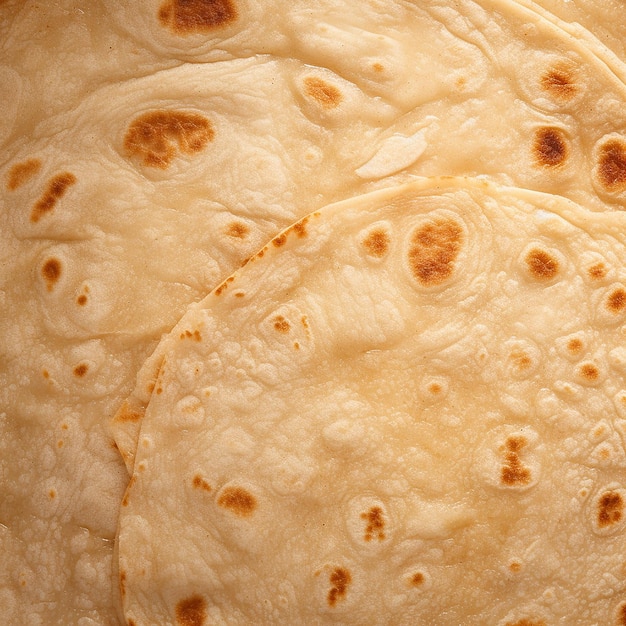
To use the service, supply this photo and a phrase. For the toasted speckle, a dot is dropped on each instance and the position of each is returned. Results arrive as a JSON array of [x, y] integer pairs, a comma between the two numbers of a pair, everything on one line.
[[616, 300], [611, 166], [237, 230], [610, 509], [514, 473], [588, 372], [549, 147], [55, 190], [21, 173], [375, 524], [81, 369], [541, 264], [191, 611], [377, 243], [156, 137], [324, 93], [186, 17], [281, 324], [199, 483], [51, 272], [558, 83], [237, 500], [340, 579], [597, 271], [575, 345], [434, 249]]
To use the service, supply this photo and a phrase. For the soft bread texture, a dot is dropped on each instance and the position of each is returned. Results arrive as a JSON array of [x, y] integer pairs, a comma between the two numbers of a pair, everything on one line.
[[150, 148], [418, 391]]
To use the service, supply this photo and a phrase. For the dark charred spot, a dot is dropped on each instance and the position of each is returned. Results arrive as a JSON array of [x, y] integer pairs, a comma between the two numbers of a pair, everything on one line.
[[187, 17], [21, 173], [514, 473], [281, 324], [340, 579], [610, 509], [191, 611], [434, 249], [81, 369], [375, 524], [237, 500], [597, 271], [51, 272], [156, 137], [54, 191], [621, 614], [237, 230], [325, 94], [541, 264], [199, 483], [575, 345], [377, 243], [616, 300], [550, 147], [611, 167], [558, 83]]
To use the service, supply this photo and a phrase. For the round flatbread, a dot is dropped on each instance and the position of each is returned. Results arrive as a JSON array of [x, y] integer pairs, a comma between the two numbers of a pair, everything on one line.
[[407, 408]]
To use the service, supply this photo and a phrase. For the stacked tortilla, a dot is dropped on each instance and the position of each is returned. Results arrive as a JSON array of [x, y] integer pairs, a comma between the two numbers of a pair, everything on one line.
[[407, 407]]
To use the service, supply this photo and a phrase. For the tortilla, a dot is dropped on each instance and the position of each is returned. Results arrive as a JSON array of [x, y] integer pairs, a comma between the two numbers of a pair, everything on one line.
[[150, 148], [407, 408]]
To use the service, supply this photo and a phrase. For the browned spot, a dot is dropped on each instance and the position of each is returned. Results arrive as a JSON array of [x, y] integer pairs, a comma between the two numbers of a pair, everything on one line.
[[300, 228], [157, 136], [589, 372], [616, 301], [434, 249], [195, 335], [621, 614], [435, 388], [417, 579], [51, 272], [327, 95], [378, 67], [281, 324], [238, 500], [612, 165], [610, 509], [279, 240], [296, 345], [377, 243], [186, 17], [527, 622], [597, 271], [520, 360], [558, 81], [54, 191], [240, 294], [339, 579], [514, 473], [575, 345], [60, 443], [549, 147], [21, 173], [375, 524], [81, 300], [45, 374], [126, 413], [131, 622], [200, 483], [64, 426], [515, 566], [122, 583], [191, 611], [81, 369], [238, 230], [541, 264], [52, 493]]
